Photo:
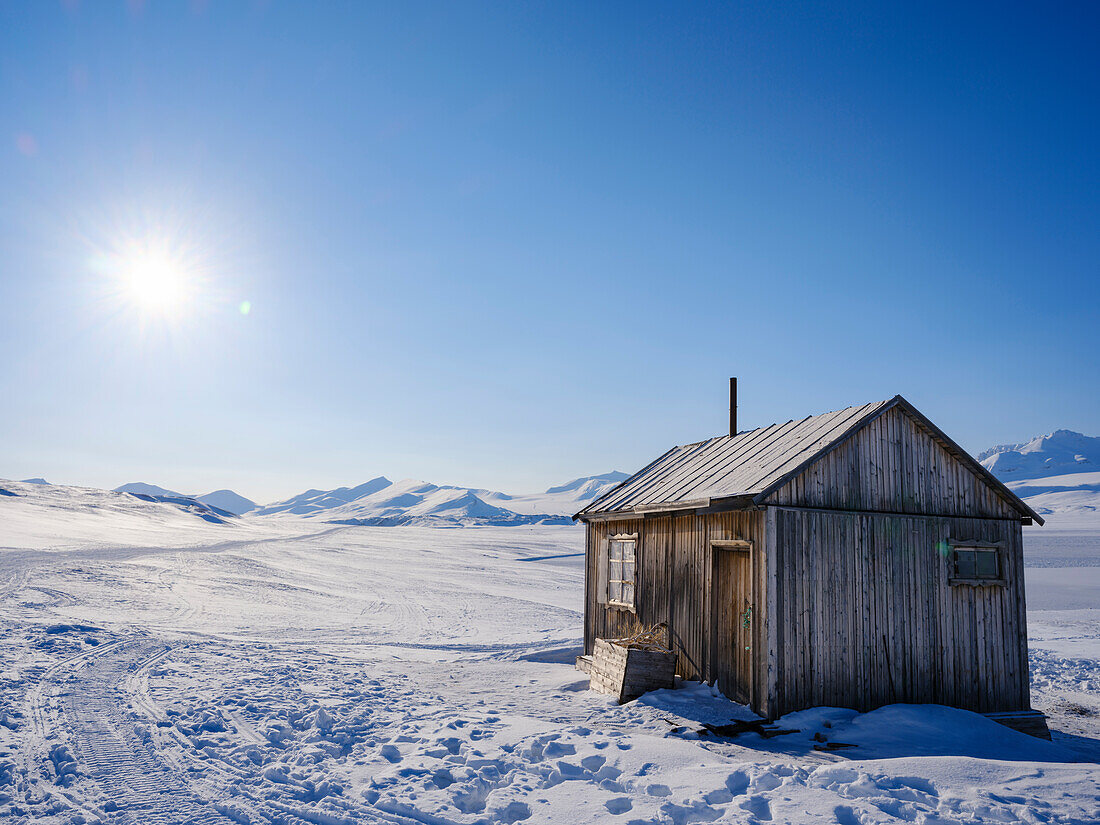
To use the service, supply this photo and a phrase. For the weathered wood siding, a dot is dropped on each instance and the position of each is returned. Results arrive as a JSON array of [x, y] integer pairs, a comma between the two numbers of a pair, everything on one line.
[[673, 582], [865, 615], [894, 465]]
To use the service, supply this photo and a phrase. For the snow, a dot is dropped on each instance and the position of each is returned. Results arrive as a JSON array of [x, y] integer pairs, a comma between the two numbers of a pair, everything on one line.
[[229, 501], [144, 488], [159, 668], [1059, 452], [225, 500], [381, 502], [1055, 474], [56, 517], [1076, 495], [589, 486]]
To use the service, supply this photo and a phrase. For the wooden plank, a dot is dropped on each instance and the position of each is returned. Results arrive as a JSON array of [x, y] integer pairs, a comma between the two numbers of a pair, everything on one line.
[[771, 616]]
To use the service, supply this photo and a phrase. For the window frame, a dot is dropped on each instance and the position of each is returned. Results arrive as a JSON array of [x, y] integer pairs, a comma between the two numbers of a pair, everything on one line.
[[975, 580], [620, 603]]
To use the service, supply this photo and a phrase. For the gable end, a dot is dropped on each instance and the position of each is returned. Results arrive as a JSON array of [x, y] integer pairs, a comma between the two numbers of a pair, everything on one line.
[[897, 461]]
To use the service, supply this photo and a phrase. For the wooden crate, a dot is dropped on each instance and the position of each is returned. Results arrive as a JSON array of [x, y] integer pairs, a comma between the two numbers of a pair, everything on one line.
[[626, 673]]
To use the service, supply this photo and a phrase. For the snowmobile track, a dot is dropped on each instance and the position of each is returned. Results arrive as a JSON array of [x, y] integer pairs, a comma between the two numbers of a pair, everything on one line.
[[139, 788]]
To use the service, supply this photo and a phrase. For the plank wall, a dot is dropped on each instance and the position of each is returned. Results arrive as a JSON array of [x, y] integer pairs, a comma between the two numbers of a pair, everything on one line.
[[673, 584], [865, 615]]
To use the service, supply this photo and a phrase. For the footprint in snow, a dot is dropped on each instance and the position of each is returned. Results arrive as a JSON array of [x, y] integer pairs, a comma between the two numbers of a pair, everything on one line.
[[737, 783], [391, 754], [515, 811], [758, 806], [695, 812], [619, 805], [718, 797], [451, 743], [766, 782], [593, 763], [556, 749]]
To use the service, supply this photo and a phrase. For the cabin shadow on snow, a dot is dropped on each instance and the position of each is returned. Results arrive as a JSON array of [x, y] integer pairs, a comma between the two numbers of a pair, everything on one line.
[[1087, 746], [695, 711]]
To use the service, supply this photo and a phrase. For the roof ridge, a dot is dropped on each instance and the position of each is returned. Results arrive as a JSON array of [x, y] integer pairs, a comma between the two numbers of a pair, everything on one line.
[[788, 421], [744, 464]]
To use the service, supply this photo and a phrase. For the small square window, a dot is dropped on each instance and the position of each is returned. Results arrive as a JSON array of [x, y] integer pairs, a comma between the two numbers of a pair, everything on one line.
[[976, 563]]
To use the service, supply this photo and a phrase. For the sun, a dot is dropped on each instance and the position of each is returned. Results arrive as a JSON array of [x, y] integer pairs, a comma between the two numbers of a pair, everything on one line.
[[153, 278]]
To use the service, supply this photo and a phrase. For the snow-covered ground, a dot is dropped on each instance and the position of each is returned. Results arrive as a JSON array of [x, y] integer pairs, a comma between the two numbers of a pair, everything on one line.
[[158, 668]]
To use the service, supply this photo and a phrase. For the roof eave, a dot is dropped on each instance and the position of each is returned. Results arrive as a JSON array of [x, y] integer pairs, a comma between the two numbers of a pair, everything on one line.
[[590, 507], [697, 506]]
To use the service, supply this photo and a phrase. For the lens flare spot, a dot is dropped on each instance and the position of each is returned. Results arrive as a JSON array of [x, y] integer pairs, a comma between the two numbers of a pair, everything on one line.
[[245, 307]]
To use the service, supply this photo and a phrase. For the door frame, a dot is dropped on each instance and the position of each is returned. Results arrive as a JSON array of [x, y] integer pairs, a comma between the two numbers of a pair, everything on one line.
[[732, 546]]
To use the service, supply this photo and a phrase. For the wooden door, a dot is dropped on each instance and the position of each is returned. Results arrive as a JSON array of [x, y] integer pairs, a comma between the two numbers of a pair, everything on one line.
[[731, 627]]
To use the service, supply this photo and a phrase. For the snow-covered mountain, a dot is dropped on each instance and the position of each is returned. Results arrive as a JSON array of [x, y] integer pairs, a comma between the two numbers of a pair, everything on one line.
[[224, 500], [563, 499], [312, 502], [424, 504], [144, 489], [1057, 453], [40, 509], [229, 501], [1057, 473], [383, 502]]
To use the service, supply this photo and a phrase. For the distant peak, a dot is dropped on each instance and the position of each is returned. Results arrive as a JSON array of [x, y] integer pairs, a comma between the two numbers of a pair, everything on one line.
[[229, 501], [146, 489], [1057, 453], [576, 484]]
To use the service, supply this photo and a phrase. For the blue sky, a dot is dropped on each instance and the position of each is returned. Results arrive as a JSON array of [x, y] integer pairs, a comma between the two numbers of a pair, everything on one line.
[[504, 245]]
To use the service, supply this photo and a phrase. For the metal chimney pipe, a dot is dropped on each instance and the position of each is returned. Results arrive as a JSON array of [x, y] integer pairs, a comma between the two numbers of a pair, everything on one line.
[[733, 407]]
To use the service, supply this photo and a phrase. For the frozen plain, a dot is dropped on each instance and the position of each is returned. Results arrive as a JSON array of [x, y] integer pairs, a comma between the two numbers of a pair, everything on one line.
[[160, 669]]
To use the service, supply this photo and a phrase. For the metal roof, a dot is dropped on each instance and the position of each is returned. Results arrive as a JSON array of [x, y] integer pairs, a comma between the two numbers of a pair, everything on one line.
[[754, 463]]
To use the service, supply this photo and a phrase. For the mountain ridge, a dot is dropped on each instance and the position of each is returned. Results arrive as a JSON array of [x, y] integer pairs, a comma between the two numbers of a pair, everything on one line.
[[226, 500], [1056, 474], [412, 501], [1056, 453]]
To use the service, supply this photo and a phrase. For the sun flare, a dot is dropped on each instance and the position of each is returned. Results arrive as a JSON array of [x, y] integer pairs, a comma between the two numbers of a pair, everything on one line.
[[154, 281], [153, 278]]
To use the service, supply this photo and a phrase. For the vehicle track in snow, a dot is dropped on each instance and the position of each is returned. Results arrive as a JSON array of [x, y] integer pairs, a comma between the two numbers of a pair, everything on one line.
[[138, 786], [105, 707]]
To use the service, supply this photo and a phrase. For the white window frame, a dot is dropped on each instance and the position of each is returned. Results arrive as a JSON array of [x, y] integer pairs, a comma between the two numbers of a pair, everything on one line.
[[622, 572], [972, 576]]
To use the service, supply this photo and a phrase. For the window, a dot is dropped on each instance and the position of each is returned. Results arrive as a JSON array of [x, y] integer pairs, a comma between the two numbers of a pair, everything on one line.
[[620, 571], [975, 563]]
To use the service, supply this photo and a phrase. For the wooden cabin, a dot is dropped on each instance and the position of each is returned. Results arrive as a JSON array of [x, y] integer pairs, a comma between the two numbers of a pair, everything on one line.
[[855, 559]]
